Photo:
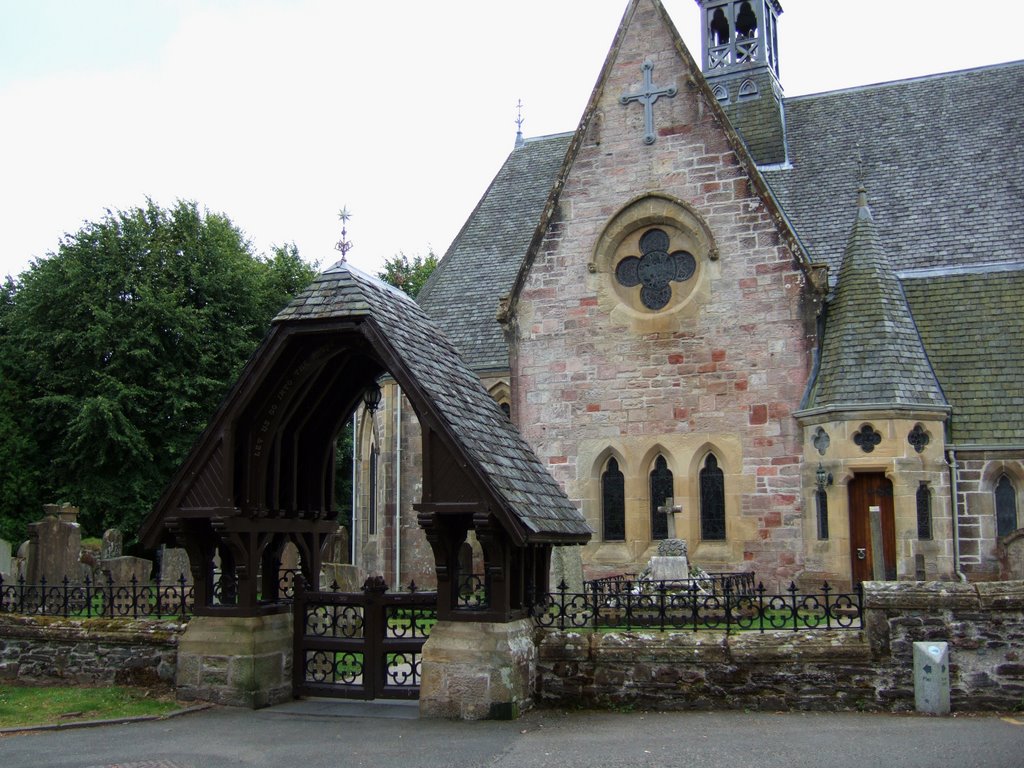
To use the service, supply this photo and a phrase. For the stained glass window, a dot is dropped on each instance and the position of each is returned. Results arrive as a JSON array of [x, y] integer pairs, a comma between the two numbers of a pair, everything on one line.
[[661, 489], [1006, 507], [924, 511], [821, 501], [712, 501], [613, 502]]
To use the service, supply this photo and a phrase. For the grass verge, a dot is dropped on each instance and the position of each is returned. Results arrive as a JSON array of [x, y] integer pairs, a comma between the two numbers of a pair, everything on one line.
[[28, 706]]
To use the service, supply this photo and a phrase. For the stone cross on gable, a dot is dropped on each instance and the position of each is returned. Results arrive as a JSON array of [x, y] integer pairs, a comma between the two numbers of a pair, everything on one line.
[[647, 97]]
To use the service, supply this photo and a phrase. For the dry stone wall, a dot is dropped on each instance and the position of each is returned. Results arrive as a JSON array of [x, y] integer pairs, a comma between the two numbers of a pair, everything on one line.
[[818, 670], [35, 649]]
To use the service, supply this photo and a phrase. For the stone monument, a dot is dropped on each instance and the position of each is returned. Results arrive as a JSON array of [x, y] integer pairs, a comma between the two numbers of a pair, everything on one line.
[[54, 545], [174, 564], [113, 544], [5, 560], [672, 562]]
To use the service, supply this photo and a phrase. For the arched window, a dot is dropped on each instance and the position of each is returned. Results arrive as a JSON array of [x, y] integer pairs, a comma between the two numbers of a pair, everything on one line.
[[746, 21], [371, 502], [924, 511], [821, 502], [661, 489], [719, 28], [712, 501], [1006, 507], [613, 502]]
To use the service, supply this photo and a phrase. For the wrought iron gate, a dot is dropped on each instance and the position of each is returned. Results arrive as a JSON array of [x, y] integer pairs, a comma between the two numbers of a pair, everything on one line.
[[361, 645]]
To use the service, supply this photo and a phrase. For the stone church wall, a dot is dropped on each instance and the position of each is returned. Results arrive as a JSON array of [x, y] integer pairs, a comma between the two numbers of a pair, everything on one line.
[[817, 670], [982, 554], [719, 368]]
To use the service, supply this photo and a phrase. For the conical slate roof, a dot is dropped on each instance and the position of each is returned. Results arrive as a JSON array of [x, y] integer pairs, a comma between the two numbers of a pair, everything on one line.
[[871, 352], [451, 394]]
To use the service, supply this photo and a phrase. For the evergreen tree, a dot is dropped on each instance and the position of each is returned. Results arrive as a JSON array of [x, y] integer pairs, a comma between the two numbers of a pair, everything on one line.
[[115, 351], [408, 274]]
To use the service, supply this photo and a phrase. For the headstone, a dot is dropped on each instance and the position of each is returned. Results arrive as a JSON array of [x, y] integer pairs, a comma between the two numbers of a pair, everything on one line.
[[931, 678], [113, 544], [121, 570], [54, 546], [671, 563], [5, 559], [877, 552], [567, 566], [174, 563]]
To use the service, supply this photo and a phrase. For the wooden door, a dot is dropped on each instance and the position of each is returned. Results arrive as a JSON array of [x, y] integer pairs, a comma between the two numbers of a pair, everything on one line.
[[868, 491]]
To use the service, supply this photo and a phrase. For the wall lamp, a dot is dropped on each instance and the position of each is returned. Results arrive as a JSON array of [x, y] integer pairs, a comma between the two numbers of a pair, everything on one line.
[[371, 397], [824, 478]]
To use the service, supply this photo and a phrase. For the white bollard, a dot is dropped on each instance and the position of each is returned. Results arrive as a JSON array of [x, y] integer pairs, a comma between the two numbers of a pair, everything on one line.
[[931, 678]]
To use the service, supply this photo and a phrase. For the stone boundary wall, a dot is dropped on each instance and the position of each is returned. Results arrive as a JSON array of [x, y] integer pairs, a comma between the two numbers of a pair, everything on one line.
[[811, 670], [47, 650]]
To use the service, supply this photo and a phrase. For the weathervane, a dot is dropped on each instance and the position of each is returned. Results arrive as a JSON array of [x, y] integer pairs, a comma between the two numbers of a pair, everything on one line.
[[343, 245], [519, 123]]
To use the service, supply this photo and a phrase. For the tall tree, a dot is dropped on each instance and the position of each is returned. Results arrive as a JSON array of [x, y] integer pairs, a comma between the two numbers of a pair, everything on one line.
[[408, 274], [117, 349]]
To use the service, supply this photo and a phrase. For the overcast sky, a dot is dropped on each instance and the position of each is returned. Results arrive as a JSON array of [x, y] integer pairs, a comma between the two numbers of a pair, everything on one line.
[[279, 112]]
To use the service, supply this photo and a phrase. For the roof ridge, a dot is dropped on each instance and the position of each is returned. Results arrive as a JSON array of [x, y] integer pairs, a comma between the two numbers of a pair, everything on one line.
[[906, 80]]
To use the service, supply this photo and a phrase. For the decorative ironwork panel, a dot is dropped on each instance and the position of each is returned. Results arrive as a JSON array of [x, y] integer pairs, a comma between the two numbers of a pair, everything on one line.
[[867, 438], [712, 501], [924, 511], [661, 489], [655, 269], [821, 501], [918, 438], [1006, 507], [613, 502]]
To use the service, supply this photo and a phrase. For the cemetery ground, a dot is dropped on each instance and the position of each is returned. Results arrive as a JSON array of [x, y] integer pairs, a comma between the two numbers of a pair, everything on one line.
[[318, 733], [57, 705]]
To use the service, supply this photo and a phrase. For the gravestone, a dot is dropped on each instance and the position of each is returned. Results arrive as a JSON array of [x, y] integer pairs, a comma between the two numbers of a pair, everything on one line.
[[121, 570], [113, 544], [54, 546], [567, 566], [336, 567], [671, 563], [174, 563], [5, 559]]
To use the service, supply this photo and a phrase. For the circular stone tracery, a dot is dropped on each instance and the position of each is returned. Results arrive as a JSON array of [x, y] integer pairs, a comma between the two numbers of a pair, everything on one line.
[[655, 269]]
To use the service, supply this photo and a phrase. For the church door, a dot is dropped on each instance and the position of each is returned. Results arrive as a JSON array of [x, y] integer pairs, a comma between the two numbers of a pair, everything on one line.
[[871, 496]]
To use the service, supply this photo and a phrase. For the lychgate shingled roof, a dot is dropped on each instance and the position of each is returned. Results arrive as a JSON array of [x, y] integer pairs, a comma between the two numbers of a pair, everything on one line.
[[502, 459]]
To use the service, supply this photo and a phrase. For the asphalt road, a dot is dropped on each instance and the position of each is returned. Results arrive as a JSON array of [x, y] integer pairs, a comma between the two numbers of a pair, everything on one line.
[[315, 735]]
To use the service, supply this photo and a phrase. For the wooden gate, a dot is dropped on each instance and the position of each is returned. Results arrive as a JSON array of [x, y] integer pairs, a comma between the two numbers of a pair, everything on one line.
[[361, 645]]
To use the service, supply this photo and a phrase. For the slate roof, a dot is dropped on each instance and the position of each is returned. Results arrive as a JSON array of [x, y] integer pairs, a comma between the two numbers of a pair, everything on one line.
[[972, 322], [508, 465], [484, 259], [871, 353], [942, 157]]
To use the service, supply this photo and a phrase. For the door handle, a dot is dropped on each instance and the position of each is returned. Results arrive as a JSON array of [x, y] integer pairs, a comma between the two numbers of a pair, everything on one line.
[[862, 553]]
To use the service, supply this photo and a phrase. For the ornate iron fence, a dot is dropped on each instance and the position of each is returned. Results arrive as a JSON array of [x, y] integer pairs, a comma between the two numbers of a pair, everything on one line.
[[95, 599], [690, 605]]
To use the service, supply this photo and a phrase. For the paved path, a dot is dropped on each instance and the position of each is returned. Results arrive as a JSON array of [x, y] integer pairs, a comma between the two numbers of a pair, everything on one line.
[[319, 734]]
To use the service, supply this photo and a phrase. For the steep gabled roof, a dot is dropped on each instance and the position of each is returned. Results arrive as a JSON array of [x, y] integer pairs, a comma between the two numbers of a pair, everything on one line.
[[971, 321], [941, 154], [464, 292], [443, 389], [340, 333], [871, 354]]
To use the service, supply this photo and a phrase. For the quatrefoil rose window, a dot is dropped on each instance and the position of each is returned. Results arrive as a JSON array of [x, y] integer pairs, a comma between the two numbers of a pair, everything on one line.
[[655, 269]]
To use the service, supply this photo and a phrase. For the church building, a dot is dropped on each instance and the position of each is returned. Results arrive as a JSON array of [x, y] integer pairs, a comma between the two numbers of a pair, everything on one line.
[[787, 330]]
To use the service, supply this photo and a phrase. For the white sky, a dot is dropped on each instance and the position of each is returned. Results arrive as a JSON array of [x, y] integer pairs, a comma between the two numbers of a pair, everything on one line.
[[279, 112]]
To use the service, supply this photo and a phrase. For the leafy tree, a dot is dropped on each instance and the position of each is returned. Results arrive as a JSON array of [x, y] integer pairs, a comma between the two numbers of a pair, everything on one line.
[[117, 349], [408, 274]]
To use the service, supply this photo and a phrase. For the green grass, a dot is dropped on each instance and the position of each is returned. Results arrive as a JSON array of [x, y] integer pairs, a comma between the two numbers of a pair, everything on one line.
[[25, 706]]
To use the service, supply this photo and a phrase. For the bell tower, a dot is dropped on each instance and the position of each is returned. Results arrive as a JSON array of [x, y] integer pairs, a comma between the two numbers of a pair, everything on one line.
[[740, 59]]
